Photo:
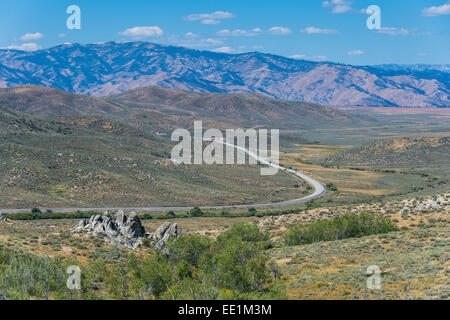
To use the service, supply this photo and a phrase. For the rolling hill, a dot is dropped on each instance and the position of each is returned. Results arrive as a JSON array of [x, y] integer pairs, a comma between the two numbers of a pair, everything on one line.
[[80, 161], [53, 102], [153, 109], [63, 149], [410, 151], [115, 67], [232, 109]]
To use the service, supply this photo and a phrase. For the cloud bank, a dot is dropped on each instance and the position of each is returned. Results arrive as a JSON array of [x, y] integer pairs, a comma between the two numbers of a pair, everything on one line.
[[32, 36], [437, 10]]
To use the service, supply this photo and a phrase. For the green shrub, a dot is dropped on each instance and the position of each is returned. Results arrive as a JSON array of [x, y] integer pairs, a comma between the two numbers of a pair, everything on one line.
[[189, 249], [25, 276], [331, 187], [242, 266], [338, 228], [170, 215], [195, 212], [37, 214], [244, 232], [225, 213], [36, 211]]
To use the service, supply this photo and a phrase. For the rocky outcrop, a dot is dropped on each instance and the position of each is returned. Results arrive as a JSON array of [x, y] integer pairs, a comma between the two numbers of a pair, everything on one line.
[[163, 234], [3, 218], [433, 204], [126, 230]]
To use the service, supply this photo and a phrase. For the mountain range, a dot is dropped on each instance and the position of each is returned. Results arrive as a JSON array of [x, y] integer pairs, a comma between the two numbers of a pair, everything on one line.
[[115, 67]]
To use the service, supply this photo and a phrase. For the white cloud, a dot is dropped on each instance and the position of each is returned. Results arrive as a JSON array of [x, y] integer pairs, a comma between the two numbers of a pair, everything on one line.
[[193, 41], [138, 32], [338, 6], [223, 50], [314, 30], [239, 32], [210, 18], [298, 56], [279, 30], [29, 46], [437, 10], [391, 31], [210, 21], [32, 36], [355, 52], [213, 42], [306, 57], [253, 32], [342, 9], [394, 31]]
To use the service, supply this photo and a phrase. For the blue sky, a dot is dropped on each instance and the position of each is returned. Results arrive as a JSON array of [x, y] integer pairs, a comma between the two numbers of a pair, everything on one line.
[[412, 31]]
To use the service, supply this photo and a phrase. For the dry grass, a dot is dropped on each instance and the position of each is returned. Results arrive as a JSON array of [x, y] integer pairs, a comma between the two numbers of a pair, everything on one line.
[[414, 265]]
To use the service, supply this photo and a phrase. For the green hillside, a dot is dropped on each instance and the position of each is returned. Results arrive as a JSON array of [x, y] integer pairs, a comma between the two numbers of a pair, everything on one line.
[[232, 109], [152, 109], [91, 161], [409, 151]]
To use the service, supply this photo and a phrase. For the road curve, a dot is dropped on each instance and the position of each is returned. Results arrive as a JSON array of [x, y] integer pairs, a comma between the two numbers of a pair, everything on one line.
[[319, 191]]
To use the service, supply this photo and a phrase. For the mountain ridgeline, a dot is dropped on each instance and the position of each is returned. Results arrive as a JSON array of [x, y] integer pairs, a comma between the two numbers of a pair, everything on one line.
[[115, 67], [153, 109]]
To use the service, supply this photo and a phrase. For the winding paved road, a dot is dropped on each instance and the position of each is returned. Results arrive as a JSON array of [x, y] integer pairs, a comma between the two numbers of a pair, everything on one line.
[[319, 191]]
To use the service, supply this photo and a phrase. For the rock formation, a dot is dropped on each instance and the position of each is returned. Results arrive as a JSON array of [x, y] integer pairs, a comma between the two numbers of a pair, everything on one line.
[[164, 233], [3, 218], [126, 230]]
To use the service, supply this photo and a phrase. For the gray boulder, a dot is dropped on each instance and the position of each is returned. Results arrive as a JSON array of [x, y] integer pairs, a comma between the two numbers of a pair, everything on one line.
[[132, 228], [118, 229], [163, 234], [126, 230]]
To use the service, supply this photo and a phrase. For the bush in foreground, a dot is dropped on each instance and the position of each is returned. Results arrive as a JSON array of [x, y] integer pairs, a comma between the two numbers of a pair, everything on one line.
[[197, 267]]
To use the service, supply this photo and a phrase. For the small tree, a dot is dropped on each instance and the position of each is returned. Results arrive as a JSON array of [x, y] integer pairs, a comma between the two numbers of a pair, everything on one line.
[[36, 213], [195, 212]]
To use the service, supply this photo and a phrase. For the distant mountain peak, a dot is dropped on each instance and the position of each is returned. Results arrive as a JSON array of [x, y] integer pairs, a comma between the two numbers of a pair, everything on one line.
[[115, 67]]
